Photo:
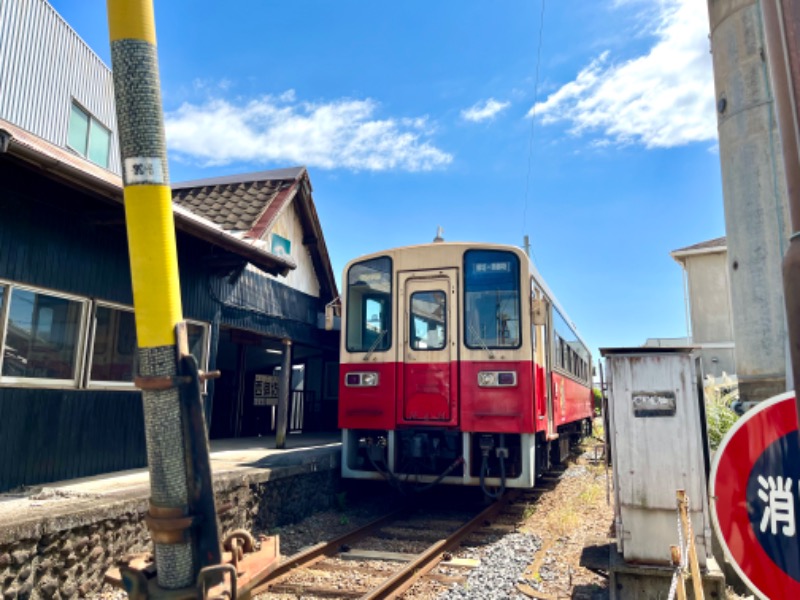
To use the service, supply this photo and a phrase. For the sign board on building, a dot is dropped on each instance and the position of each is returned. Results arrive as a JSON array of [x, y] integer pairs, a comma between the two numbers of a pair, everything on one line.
[[280, 245], [654, 404], [265, 390], [755, 494]]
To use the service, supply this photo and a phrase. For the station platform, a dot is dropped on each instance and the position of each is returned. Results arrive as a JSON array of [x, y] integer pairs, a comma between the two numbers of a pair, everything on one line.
[[242, 459]]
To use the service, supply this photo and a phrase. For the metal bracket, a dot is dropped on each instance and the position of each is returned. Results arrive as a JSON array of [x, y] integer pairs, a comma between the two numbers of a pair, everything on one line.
[[208, 578], [168, 525], [160, 383], [247, 565]]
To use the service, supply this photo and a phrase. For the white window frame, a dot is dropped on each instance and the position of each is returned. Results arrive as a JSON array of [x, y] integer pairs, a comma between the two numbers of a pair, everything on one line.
[[80, 342], [89, 383], [74, 104], [84, 345], [203, 364]]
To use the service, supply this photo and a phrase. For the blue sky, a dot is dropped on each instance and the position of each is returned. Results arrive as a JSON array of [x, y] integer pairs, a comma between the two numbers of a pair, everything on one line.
[[414, 114]]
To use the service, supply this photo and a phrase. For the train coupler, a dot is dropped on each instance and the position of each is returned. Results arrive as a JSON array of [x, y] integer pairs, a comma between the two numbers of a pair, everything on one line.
[[486, 443], [246, 562]]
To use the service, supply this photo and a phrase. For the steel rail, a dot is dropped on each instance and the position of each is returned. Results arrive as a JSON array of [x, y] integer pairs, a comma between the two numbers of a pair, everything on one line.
[[323, 550], [401, 581]]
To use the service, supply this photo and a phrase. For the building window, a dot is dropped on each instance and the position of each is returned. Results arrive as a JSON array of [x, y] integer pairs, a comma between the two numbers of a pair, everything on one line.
[[42, 335], [198, 342], [113, 347], [88, 137], [45, 340]]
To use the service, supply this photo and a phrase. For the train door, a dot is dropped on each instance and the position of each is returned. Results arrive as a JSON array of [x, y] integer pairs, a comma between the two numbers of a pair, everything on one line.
[[429, 354]]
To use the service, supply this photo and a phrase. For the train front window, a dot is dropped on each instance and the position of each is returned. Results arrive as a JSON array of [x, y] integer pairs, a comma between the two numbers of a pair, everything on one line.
[[491, 299], [369, 306], [428, 320]]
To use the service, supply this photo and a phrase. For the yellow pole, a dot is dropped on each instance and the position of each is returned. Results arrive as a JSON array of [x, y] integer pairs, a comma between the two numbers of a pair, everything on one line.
[[154, 271]]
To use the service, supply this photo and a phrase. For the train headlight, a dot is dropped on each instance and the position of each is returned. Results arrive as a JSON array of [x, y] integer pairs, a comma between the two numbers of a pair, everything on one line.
[[361, 379], [369, 379], [497, 378], [486, 378]]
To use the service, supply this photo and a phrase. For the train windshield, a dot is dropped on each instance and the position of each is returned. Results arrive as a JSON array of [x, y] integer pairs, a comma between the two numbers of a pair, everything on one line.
[[369, 305], [491, 299]]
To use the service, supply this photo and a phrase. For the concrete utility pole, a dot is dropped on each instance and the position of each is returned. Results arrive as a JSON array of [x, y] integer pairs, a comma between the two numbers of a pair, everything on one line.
[[754, 189], [782, 25], [176, 461]]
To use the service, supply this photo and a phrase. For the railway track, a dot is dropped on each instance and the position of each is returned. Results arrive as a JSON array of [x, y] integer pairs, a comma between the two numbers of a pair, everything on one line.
[[386, 557]]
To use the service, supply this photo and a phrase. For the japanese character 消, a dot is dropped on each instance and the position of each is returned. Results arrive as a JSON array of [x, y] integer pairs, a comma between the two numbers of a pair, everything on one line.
[[779, 499]]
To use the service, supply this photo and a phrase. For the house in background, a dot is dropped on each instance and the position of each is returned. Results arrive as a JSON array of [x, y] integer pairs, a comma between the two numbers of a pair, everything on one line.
[[254, 269], [708, 304], [259, 313]]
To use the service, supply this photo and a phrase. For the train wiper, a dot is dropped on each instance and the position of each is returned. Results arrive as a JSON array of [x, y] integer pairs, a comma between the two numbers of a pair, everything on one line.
[[374, 344], [477, 336]]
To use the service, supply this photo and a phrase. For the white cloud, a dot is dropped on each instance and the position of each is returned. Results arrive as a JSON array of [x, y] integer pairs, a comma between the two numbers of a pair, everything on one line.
[[664, 98], [339, 134], [482, 111]]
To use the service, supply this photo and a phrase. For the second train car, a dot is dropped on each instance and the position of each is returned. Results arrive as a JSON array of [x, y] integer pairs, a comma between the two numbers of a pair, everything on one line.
[[458, 366]]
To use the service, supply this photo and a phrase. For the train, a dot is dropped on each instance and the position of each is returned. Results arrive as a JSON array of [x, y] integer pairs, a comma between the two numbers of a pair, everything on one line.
[[458, 366]]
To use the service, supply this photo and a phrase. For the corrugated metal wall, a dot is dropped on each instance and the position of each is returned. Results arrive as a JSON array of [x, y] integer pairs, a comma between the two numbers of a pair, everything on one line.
[[44, 65]]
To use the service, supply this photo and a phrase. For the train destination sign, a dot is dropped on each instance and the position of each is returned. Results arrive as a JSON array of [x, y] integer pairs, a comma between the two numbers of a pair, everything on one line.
[[755, 497]]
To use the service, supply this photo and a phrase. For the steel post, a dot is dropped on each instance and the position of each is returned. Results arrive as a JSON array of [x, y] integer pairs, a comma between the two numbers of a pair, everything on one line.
[[284, 395]]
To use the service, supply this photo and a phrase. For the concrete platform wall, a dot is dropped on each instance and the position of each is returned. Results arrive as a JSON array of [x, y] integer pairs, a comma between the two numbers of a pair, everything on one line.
[[64, 549]]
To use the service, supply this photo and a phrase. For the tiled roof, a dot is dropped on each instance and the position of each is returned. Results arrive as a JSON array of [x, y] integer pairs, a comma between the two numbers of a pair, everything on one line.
[[247, 205], [232, 206], [271, 175]]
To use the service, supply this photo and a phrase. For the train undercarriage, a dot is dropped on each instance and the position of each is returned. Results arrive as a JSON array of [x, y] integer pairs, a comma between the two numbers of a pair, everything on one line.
[[417, 459]]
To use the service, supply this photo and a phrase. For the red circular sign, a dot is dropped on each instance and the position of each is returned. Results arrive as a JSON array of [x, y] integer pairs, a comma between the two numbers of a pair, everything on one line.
[[755, 497]]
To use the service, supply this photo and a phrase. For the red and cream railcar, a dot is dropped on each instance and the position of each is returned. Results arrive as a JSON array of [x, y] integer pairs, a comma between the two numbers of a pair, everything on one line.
[[457, 366]]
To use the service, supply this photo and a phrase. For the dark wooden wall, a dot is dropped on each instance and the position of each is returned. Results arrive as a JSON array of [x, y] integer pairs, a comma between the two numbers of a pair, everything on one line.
[[57, 237], [48, 435]]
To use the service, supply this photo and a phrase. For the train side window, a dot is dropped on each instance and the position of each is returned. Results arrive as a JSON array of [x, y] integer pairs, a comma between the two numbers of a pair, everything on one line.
[[374, 328], [559, 352]]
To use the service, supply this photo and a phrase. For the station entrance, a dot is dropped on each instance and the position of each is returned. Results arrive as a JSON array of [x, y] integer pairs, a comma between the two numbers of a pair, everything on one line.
[[243, 401]]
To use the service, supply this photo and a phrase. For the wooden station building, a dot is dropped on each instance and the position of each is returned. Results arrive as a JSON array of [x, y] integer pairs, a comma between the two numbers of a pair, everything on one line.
[[254, 268]]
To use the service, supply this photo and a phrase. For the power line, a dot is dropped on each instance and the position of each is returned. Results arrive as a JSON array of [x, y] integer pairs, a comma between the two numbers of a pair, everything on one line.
[[533, 123]]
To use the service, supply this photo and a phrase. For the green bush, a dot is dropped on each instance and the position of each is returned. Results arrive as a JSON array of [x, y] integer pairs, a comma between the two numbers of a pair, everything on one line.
[[598, 400], [720, 418]]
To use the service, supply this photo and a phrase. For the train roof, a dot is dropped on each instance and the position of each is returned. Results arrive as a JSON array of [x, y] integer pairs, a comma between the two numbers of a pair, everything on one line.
[[485, 245]]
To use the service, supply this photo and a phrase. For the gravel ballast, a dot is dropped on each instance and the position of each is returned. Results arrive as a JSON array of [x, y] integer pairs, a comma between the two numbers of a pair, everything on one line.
[[501, 567]]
